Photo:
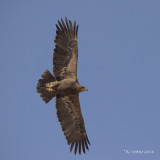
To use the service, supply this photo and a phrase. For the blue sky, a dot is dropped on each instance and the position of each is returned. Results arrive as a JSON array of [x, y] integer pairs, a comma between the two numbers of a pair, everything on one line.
[[119, 63]]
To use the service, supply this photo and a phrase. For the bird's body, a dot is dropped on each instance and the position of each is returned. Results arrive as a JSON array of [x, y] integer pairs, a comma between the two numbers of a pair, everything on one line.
[[65, 86]]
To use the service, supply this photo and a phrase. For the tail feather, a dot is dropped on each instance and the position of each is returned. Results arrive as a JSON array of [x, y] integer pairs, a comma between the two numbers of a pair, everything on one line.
[[41, 86]]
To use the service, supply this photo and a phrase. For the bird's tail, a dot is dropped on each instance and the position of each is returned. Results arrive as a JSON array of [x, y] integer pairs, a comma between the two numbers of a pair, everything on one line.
[[46, 93]]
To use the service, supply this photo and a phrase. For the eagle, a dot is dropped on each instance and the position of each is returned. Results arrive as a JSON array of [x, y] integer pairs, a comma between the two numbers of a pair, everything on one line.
[[65, 87]]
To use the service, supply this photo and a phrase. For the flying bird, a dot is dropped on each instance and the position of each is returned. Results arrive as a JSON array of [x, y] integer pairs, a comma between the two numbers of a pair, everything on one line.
[[65, 87]]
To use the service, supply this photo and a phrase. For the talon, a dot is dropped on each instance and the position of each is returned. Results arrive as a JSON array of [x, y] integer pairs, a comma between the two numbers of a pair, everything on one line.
[[49, 89], [51, 84], [48, 85]]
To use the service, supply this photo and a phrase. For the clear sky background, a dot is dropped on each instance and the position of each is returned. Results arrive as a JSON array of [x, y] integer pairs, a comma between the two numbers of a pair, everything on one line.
[[119, 63]]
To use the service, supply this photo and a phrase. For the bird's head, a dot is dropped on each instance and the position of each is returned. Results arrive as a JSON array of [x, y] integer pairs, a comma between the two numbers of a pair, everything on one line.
[[83, 89]]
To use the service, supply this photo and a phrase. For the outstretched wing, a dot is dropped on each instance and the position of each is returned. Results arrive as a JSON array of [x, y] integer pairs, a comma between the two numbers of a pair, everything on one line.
[[66, 50], [72, 123]]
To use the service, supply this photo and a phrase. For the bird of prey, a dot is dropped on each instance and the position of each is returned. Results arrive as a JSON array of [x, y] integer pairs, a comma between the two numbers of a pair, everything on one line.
[[65, 87]]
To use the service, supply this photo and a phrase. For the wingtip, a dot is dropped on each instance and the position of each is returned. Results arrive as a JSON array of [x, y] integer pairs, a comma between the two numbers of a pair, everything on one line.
[[88, 140], [72, 145], [76, 146]]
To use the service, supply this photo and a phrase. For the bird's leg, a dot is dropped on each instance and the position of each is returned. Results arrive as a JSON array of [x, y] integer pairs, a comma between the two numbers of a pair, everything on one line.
[[51, 86]]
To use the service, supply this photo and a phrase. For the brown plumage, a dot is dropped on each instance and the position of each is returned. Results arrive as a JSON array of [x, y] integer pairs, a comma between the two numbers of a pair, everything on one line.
[[65, 86]]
